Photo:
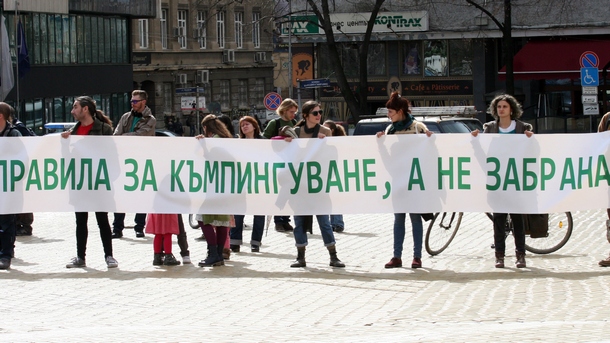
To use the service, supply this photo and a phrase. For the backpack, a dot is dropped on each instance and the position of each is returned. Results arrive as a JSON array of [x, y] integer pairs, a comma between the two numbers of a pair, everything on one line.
[[276, 121], [24, 130]]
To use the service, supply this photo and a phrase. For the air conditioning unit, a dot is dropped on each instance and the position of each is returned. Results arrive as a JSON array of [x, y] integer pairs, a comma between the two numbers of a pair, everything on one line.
[[260, 56], [181, 79], [177, 32], [228, 56], [203, 76]]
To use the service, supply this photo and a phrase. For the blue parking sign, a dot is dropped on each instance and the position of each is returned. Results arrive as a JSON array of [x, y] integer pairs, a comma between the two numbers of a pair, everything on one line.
[[589, 77]]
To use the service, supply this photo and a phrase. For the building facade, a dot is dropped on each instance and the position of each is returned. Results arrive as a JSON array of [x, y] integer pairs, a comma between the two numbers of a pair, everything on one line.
[[450, 53], [207, 55], [75, 48]]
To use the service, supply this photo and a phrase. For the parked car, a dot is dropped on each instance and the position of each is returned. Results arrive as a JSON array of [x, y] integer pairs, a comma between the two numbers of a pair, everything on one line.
[[371, 126]]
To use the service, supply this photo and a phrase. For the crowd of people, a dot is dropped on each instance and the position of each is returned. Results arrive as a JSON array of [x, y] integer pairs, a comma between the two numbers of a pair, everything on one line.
[[223, 233]]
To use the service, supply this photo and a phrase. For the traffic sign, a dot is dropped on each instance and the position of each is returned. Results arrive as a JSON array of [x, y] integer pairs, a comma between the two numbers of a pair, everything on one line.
[[589, 59], [589, 99], [589, 76], [190, 90], [272, 101], [590, 109], [315, 83], [589, 90]]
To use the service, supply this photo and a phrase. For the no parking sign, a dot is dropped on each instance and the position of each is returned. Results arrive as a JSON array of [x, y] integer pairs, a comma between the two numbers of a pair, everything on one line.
[[272, 101]]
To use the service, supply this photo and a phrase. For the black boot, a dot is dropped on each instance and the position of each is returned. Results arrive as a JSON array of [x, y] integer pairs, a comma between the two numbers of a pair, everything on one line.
[[212, 260], [170, 260], [158, 260], [499, 259], [334, 260], [220, 250], [520, 263], [300, 262]]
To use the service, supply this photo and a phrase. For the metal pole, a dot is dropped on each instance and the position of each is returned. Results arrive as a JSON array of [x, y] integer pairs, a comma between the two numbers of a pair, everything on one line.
[[197, 108], [299, 92], [290, 49], [18, 103]]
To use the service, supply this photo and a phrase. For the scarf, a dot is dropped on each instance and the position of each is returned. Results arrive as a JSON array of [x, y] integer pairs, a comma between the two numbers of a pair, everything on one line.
[[401, 125]]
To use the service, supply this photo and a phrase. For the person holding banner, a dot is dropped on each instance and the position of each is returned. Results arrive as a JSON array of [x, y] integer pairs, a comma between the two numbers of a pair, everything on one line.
[[137, 122], [506, 110], [248, 129], [8, 224], [336, 220], [287, 112], [399, 112], [91, 122], [215, 227], [603, 126], [309, 127]]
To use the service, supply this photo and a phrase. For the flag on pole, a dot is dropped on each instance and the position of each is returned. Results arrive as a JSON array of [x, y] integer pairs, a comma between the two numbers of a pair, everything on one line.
[[23, 57], [6, 71]]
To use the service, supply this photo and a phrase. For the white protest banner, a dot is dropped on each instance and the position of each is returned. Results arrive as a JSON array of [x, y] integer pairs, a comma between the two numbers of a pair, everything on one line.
[[366, 174]]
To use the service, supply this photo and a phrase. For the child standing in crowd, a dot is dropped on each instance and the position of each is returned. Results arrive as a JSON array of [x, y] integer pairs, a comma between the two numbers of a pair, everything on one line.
[[163, 226]]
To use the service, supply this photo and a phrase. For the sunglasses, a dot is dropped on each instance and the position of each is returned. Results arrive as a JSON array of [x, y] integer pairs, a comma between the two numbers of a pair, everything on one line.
[[136, 101], [316, 113]]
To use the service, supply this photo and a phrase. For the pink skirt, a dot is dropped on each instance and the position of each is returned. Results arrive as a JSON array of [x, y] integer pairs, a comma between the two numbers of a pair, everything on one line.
[[160, 224]]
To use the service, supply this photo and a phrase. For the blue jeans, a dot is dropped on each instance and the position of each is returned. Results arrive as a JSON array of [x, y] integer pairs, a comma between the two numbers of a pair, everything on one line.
[[258, 227], [300, 236], [337, 220], [399, 233]]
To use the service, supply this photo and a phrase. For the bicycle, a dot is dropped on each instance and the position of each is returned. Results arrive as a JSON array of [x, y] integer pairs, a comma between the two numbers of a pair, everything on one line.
[[441, 231]]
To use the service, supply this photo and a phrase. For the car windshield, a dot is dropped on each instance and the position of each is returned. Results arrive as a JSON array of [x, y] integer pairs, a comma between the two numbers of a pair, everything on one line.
[[370, 128], [449, 126]]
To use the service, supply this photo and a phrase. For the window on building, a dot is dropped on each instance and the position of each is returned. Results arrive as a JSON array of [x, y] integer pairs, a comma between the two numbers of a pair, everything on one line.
[[258, 92], [143, 31], [220, 29], [435, 58], [460, 57], [239, 29], [201, 29], [225, 94], [256, 29], [243, 93], [182, 15], [167, 97], [376, 61], [411, 58], [163, 24]]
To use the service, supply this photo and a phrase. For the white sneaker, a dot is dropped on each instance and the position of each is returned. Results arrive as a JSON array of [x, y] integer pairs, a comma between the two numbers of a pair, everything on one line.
[[111, 262], [186, 259]]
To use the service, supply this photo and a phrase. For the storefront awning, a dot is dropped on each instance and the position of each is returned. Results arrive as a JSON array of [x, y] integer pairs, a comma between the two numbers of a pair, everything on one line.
[[539, 60]]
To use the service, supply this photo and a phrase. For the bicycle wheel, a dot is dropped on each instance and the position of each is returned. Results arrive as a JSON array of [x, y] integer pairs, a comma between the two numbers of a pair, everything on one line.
[[193, 221], [560, 230], [441, 231]]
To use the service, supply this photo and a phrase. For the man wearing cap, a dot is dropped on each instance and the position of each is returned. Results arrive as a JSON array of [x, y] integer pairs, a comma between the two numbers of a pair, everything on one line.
[[137, 122]]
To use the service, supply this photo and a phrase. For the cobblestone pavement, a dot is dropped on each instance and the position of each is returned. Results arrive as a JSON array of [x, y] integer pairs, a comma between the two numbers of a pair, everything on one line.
[[457, 297]]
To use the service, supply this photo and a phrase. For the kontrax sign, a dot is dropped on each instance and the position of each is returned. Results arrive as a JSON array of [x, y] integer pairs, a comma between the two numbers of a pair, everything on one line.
[[355, 23]]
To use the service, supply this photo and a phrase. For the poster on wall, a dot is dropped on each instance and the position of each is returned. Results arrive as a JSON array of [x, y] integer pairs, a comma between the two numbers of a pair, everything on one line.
[[302, 63], [188, 103]]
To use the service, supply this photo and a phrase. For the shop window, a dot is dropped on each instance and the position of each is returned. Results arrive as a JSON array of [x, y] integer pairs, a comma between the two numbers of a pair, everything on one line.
[[376, 65], [460, 57], [435, 58], [411, 58]]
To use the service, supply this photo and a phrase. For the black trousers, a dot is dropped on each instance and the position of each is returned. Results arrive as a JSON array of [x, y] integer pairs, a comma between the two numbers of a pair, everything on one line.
[[82, 232]]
